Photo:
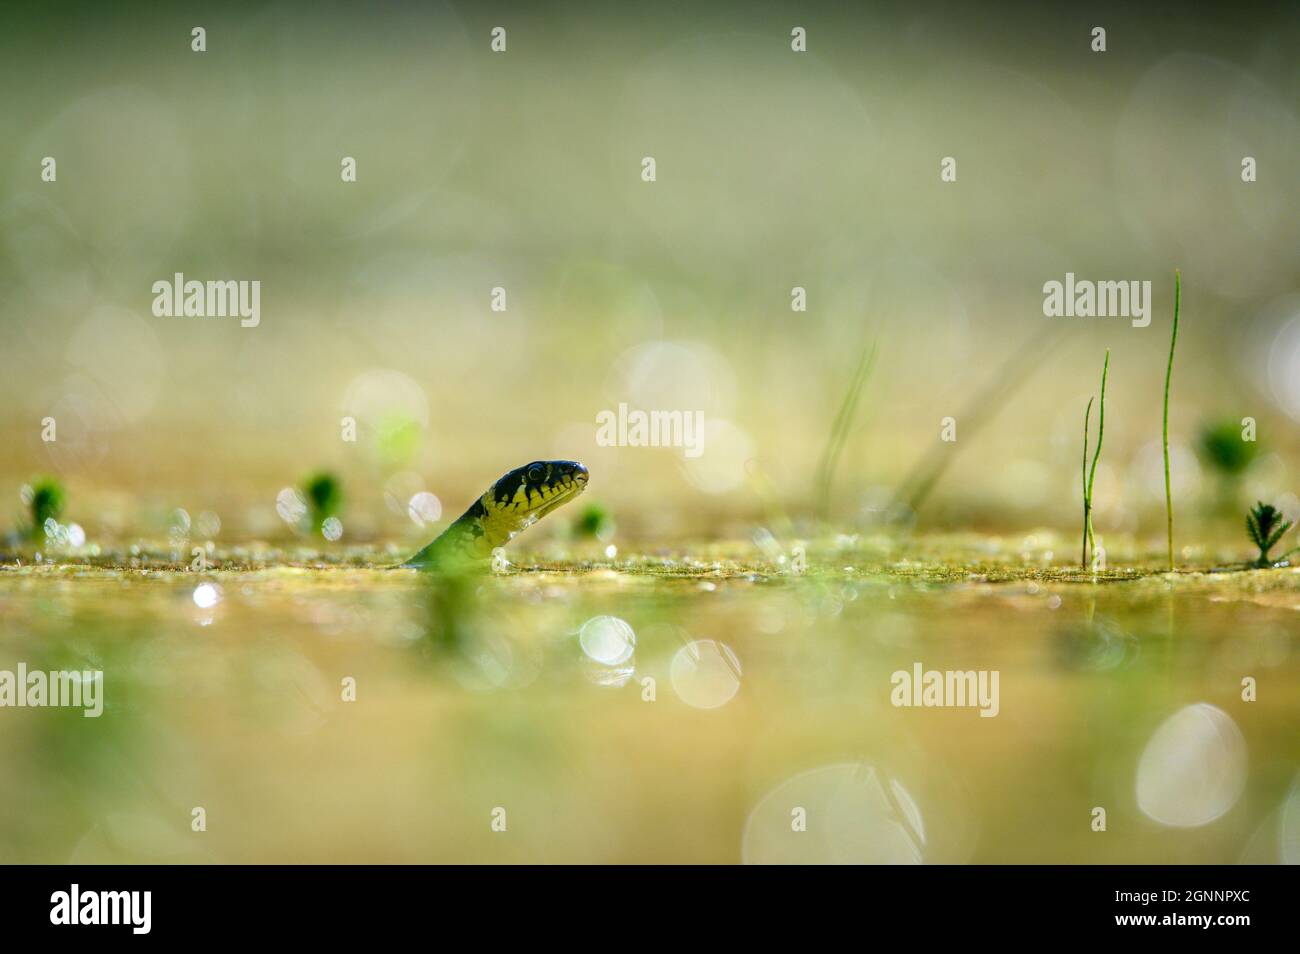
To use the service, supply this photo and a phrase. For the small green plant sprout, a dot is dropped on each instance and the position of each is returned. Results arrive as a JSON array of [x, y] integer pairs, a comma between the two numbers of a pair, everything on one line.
[[1227, 452], [324, 498], [46, 503], [1266, 526], [1089, 475], [595, 521], [1222, 447], [397, 439]]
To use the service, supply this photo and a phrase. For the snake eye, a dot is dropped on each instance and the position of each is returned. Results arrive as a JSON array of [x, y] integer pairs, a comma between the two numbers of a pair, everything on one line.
[[535, 473]]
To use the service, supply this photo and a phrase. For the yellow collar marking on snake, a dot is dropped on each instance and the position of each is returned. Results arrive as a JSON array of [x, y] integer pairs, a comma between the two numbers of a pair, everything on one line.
[[510, 506]]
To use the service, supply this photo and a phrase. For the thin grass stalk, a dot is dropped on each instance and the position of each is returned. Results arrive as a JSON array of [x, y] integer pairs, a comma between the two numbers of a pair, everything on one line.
[[1101, 433], [1169, 373], [916, 486], [840, 428], [1083, 487]]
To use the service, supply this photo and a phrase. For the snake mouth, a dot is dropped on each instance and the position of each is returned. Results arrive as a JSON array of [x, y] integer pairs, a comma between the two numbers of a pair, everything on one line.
[[576, 485], [504, 511]]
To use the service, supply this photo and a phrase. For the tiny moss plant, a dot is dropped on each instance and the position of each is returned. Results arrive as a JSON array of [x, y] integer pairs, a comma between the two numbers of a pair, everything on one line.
[[1222, 447], [46, 504], [1089, 540], [595, 521], [1169, 373], [325, 497], [1266, 525]]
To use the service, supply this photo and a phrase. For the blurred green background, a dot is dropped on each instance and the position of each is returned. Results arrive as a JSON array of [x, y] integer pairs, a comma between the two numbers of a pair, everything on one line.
[[522, 170]]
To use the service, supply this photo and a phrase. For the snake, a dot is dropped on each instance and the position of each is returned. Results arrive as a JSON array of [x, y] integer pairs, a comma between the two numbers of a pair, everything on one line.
[[516, 501]]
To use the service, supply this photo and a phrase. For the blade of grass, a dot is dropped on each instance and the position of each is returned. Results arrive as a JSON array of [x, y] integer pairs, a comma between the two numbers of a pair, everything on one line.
[[840, 429], [1011, 374], [829, 451], [1083, 486], [1169, 373], [1096, 456]]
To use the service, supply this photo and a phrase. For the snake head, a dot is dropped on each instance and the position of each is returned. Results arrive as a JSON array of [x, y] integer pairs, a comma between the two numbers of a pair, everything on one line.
[[530, 492], [512, 504]]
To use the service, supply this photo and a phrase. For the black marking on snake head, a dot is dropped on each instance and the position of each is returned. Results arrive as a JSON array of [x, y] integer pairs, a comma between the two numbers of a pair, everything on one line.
[[495, 518], [534, 476]]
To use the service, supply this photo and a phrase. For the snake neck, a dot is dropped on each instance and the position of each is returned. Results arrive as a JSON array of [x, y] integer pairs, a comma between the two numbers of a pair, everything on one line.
[[467, 539], [510, 506]]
